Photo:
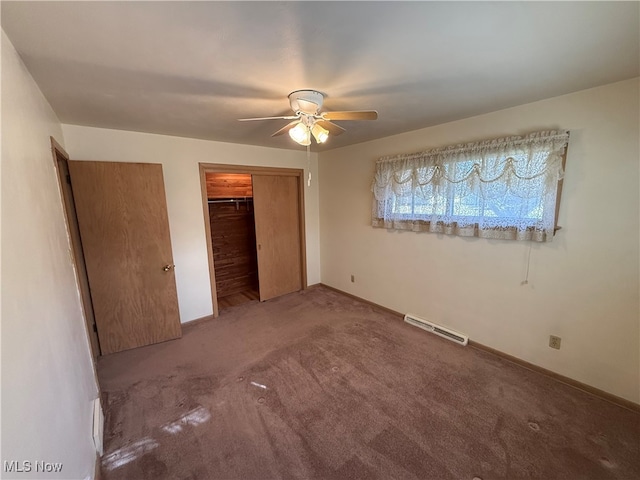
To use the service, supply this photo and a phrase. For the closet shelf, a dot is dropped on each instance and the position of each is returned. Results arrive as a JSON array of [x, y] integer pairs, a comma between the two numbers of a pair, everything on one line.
[[230, 200]]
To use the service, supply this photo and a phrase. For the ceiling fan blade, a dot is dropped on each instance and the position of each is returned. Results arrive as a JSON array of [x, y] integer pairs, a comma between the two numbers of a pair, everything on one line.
[[332, 127], [286, 128], [290, 117], [354, 115]]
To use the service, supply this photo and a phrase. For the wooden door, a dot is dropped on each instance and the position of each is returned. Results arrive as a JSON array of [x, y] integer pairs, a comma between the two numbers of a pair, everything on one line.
[[277, 219], [124, 228]]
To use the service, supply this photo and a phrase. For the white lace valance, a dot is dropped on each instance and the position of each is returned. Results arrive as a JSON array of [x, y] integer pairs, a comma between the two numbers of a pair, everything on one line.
[[504, 188]]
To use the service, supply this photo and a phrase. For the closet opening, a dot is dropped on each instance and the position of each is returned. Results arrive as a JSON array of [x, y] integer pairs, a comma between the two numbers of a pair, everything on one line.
[[254, 227], [233, 238]]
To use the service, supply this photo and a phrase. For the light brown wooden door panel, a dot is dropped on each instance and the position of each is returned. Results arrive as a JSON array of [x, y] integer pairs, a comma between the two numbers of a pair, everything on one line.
[[124, 227], [277, 220]]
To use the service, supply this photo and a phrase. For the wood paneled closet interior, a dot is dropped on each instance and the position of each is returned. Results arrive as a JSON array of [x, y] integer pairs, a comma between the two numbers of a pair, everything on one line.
[[233, 237]]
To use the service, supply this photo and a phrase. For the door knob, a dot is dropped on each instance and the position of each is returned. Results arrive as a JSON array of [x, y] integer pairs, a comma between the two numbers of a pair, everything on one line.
[[166, 268]]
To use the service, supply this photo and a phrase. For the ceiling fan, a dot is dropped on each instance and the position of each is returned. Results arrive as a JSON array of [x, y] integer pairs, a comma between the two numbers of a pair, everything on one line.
[[308, 120]]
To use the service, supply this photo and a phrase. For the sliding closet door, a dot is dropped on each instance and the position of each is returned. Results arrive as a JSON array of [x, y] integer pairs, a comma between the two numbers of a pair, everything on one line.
[[277, 217], [124, 227]]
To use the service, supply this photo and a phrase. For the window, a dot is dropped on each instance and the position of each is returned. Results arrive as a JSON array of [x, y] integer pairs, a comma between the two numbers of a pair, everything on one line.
[[505, 188]]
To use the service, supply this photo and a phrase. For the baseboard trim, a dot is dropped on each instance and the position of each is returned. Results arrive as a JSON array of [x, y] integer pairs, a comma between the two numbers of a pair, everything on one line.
[[364, 300], [197, 321], [596, 392]]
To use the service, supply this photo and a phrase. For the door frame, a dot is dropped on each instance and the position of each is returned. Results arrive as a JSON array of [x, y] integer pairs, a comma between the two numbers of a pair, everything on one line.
[[252, 170], [79, 265]]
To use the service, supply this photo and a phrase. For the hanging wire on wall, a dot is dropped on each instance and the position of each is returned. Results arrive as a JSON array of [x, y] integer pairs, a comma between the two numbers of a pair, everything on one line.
[[526, 277]]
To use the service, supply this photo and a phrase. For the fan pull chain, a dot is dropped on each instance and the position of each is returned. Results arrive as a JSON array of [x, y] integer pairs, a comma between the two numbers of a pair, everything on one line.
[[309, 165]]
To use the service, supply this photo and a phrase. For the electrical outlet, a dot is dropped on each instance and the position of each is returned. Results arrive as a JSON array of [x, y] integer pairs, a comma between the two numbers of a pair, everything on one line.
[[554, 342], [353, 279]]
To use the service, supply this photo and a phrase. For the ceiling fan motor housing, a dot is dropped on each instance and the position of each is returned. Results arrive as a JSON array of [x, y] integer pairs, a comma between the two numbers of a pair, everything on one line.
[[306, 101]]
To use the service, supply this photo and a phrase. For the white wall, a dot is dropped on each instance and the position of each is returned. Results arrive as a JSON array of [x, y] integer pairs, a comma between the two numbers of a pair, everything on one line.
[[48, 381], [180, 158], [583, 286]]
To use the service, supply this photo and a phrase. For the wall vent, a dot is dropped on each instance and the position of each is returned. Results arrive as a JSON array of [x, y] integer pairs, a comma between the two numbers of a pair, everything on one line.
[[444, 332], [98, 426]]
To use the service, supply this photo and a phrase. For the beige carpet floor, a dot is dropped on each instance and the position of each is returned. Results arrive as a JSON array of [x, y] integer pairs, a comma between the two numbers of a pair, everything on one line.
[[316, 385]]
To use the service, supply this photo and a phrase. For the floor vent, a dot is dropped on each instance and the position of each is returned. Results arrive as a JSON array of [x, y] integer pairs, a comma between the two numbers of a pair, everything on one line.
[[444, 332], [98, 426]]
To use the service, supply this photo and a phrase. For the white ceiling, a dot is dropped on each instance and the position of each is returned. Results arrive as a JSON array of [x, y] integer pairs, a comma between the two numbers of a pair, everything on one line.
[[192, 68]]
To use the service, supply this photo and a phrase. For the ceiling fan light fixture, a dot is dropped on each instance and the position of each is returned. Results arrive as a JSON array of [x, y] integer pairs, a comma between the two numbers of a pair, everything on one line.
[[319, 133], [300, 134], [308, 119]]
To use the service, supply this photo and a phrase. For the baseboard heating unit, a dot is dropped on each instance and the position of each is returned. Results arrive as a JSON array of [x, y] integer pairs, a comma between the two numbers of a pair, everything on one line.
[[444, 332], [98, 426]]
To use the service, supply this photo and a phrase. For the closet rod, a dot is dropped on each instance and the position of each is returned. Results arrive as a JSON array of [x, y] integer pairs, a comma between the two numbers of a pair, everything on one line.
[[231, 200]]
